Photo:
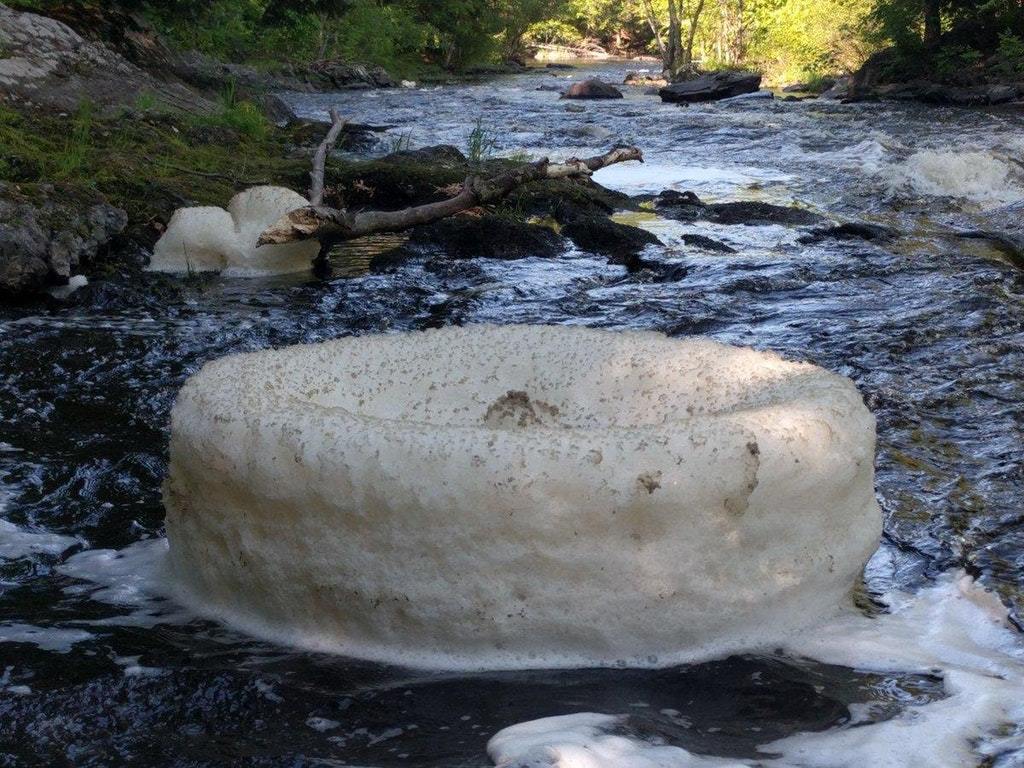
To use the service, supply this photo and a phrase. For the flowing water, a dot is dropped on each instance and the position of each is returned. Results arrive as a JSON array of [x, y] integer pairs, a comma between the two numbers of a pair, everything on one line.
[[94, 670]]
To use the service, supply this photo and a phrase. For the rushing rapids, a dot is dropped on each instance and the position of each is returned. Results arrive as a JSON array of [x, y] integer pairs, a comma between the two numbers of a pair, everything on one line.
[[99, 668]]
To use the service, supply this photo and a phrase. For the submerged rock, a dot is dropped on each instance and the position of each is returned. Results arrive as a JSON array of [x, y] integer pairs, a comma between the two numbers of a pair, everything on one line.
[[686, 206], [855, 230], [592, 89], [711, 87], [520, 496], [593, 231], [707, 243]]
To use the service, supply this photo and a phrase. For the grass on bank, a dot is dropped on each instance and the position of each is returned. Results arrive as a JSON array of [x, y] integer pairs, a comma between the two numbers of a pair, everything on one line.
[[147, 163]]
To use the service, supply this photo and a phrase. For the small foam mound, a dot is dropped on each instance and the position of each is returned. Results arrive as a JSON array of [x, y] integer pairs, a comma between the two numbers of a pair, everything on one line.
[[520, 496], [207, 239], [980, 177]]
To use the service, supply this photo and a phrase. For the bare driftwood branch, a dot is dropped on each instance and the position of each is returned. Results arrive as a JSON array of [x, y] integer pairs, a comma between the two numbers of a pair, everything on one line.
[[316, 187], [333, 224]]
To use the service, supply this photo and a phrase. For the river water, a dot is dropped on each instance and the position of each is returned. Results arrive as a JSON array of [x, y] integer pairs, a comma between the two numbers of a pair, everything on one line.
[[94, 670]]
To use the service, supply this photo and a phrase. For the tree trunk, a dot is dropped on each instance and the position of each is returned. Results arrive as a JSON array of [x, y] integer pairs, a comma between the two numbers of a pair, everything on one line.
[[652, 22], [330, 225], [694, 21], [932, 22], [675, 40]]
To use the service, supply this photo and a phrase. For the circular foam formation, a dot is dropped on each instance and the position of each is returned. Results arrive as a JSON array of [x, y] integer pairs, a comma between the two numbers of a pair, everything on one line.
[[520, 496]]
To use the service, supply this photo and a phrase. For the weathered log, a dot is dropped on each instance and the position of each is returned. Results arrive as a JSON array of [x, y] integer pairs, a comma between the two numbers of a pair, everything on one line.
[[316, 186], [333, 224]]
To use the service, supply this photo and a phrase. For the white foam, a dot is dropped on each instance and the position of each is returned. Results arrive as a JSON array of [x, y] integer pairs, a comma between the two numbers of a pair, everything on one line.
[[55, 639], [953, 629], [979, 176], [134, 577], [519, 496], [207, 238], [16, 542], [584, 741]]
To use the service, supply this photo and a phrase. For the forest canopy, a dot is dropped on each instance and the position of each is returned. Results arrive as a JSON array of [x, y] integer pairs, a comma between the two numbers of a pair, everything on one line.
[[788, 40]]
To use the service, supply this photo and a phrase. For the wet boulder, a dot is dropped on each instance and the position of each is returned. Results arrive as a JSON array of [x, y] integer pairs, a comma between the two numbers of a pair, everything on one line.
[[592, 89], [711, 87], [596, 233], [45, 239], [686, 206]]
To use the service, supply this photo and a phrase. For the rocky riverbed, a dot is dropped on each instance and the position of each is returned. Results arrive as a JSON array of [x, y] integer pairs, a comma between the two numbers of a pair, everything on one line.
[[875, 240]]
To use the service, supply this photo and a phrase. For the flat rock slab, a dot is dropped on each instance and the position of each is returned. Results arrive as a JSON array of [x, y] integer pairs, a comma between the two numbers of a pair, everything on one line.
[[711, 87]]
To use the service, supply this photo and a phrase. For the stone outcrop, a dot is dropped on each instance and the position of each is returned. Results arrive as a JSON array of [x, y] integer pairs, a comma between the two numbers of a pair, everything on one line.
[[44, 240], [46, 62], [711, 87]]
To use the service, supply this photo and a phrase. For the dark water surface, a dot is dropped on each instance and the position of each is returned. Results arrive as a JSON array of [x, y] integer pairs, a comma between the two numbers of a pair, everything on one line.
[[931, 328]]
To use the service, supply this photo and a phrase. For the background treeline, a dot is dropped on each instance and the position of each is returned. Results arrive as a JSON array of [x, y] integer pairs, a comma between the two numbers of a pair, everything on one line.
[[789, 40]]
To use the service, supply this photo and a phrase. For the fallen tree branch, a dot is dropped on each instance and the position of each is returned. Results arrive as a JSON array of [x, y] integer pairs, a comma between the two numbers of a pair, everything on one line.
[[316, 187], [327, 224]]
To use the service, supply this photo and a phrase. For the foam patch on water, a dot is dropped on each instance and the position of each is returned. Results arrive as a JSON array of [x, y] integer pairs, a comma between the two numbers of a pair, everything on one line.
[[16, 542], [954, 629], [134, 577], [54, 639]]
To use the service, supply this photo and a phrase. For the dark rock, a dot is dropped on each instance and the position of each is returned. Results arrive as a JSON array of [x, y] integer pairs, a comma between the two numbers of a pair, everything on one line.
[[621, 243], [707, 243], [686, 206], [345, 75], [279, 111], [549, 88], [855, 230], [820, 86], [556, 65], [592, 89], [1003, 94], [712, 87], [486, 237], [47, 240]]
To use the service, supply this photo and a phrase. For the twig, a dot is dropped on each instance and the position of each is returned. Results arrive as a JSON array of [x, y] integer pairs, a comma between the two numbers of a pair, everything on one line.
[[223, 177], [316, 187]]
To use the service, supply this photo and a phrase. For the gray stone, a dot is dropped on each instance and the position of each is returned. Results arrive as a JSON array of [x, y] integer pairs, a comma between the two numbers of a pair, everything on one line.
[[713, 86], [49, 241]]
